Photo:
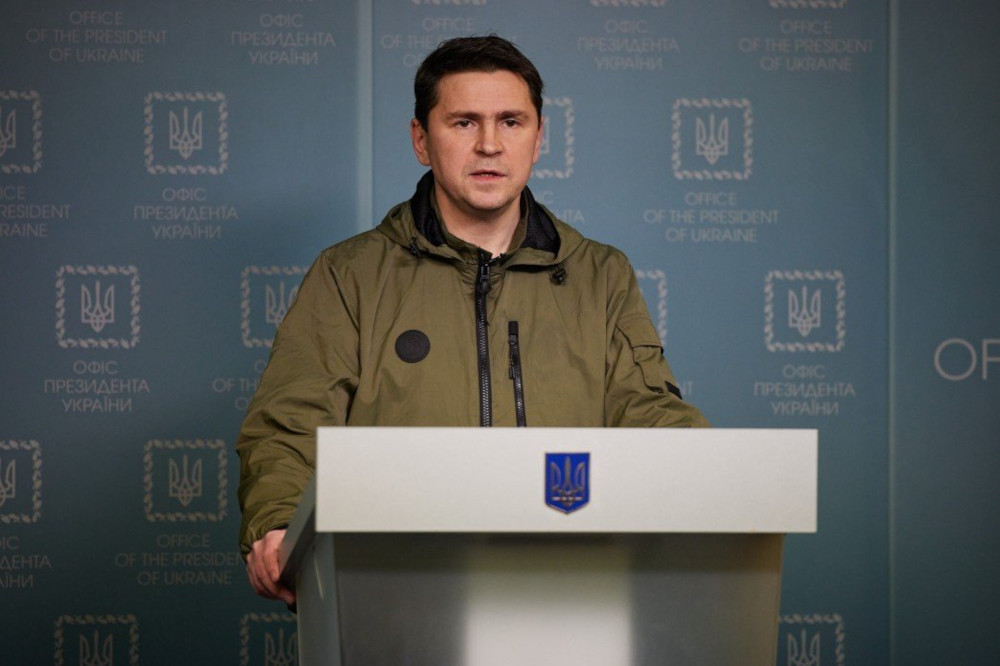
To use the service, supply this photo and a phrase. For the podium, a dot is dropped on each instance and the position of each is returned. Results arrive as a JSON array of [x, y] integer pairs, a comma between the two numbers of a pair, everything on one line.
[[583, 546]]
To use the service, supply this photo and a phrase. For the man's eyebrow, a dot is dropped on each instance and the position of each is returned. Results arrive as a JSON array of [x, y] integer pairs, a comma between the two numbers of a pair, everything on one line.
[[476, 115], [513, 113]]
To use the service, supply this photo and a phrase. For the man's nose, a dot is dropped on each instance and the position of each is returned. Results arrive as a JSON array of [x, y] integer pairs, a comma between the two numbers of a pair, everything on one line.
[[488, 140]]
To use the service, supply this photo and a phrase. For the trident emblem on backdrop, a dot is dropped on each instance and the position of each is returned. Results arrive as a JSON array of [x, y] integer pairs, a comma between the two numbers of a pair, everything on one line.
[[8, 485], [98, 654], [546, 138], [802, 317], [97, 310], [282, 653], [567, 481], [797, 654], [8, 132], [185, 137], [711, 142], [185, 484], [276, 304]]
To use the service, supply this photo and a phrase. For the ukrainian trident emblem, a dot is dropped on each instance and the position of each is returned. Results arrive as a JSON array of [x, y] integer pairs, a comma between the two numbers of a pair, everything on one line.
[[8, 132], [567, 481], [97, 309], [711, 142], [546, 138], [281, 652], [185, 481], [805, 315], [276, 303], [185, 135], [801, 654], [8, 482], [98, 653]]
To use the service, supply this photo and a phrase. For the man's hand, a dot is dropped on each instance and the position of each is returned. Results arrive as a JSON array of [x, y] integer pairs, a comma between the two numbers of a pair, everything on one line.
[[263, 569]]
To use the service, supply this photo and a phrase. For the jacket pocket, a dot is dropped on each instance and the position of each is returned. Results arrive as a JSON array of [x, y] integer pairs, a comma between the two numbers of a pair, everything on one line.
[[647, 353]]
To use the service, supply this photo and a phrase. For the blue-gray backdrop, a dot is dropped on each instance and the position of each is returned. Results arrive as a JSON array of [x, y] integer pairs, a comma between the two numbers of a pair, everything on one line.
[[805, 187]]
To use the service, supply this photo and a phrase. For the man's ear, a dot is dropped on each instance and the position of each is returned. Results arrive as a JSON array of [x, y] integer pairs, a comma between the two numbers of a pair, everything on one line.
[[418, 135]]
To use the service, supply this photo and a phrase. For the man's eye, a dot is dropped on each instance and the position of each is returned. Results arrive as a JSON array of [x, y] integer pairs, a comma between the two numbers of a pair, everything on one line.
[[511, 122], [463, 123]]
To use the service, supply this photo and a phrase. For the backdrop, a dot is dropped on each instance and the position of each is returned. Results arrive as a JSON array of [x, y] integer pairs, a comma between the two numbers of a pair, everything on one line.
[[811, 224]]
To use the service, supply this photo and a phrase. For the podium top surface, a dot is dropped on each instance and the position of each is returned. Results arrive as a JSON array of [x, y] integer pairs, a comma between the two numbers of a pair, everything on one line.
[[521, 480]]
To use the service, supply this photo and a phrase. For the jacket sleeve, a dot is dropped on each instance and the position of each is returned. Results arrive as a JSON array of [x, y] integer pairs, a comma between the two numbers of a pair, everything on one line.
[[308, 382], [640, 389]]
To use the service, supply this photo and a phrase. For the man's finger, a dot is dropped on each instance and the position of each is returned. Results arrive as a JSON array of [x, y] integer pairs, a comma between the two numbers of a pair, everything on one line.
[[264, 568], [259, 579]]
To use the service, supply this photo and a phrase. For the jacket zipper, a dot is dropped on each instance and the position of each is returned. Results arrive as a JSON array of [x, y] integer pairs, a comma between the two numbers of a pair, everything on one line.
[[483, 342], [515, 373]]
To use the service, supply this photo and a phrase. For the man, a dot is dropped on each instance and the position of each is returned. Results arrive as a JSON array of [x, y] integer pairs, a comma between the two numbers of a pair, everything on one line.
[[470, 304]]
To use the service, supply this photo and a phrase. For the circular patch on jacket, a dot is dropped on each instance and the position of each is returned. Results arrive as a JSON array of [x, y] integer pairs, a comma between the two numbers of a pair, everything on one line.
[[412, 346]]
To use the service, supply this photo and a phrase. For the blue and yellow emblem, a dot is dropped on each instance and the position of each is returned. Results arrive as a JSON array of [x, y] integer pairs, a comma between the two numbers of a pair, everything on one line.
[[567, 481]]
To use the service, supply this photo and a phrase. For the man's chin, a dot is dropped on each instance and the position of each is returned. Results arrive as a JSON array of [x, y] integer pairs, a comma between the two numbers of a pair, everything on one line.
[[492, 204], [488, 211]]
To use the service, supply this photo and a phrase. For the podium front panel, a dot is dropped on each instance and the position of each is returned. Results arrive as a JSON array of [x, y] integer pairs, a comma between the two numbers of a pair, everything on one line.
[[588, 600]]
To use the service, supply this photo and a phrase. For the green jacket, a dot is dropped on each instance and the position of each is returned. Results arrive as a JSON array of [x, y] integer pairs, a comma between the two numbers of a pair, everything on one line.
[[388, 328]]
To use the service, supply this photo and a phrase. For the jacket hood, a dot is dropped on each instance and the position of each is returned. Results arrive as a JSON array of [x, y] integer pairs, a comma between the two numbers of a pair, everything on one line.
[[415, 225]]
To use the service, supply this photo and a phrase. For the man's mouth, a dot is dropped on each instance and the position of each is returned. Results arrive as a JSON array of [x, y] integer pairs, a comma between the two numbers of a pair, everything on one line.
[[486, 174]]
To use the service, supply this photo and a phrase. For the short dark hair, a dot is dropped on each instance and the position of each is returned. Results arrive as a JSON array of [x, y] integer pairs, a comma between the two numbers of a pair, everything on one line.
[[471, 54]]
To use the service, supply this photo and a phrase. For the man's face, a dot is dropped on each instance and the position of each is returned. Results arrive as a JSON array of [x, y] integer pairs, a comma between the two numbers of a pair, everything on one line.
[[481, 140]]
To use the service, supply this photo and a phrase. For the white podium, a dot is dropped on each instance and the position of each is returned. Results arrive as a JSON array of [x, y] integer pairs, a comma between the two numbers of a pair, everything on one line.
[[604, 547]]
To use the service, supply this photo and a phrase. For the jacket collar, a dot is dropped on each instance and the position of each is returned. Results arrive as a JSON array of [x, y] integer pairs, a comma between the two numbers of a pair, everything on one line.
[[540, 233]]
